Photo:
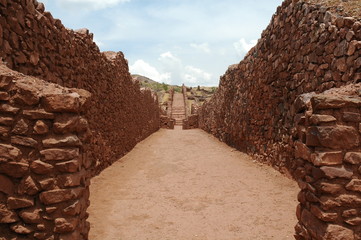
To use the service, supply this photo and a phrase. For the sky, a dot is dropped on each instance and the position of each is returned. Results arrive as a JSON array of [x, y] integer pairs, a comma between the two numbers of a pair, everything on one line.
[[171, 41]]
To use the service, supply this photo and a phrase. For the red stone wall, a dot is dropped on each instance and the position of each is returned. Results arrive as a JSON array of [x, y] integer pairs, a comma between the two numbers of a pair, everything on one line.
[[44, 166], [328, 157], [34, 43], [305, 48]]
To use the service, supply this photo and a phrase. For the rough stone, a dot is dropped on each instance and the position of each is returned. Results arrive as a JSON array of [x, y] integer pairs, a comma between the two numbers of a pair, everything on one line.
[[62, 141], [317, 119], [73, 209], [16, 203], [63, 225], [351, 117], [327, 158], [9, 152], [28, 186], [31, 215], [40, 127], [5, 108], [48, 184], [354, 185], [337, 172], [59, 154], [338, 137], [334, 102], [69, 166], [69, 124], [21, 229], [353, 157], [302, 151], [349, 200], [331, 188], [6, 215], [324, 216], [56, 196], [62, 102], [24, 141], [40, 167], [7, 121], [14, 169], [356, 221], [337, 232], [38, 114]]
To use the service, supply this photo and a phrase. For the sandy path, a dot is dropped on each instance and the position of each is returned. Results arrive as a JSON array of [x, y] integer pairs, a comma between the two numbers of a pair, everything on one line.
[[185, 185]]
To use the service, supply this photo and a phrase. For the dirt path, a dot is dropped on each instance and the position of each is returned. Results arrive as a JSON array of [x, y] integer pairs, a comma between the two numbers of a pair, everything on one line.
[[185, 185]]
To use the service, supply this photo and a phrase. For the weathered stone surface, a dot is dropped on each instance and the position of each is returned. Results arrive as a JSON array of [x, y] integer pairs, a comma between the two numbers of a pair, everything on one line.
[[71, 180], [334, 102], [327, 158], [302, 151], [38, 114], [5, 108], [9, 152], [26, 93], [7, 121], [349, 200], [351, 117], [48, 184], [40, 167], [62, 141], [6, 215], [314, 225], [337, 172], [21, 127], [59, 154], [337, 137], [317, 119], [6, 185], [62, 102], [21, 229], [28, 186], [63, 225], [328, 203], [353, 157], [16, 203], [354, 185], [14, 169], [69, 124], [330, 187], [337, 232], [73, 209], [356, 221], [69, 166], [24, 141], [40, 127], [31, 215], [56, 196], [4, 96], [324, 216]]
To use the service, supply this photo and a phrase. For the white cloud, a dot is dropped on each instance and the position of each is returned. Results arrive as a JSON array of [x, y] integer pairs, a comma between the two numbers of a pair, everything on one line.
[[195, 75], [89, 4], [242, 46], [204, 47], [145, 69]]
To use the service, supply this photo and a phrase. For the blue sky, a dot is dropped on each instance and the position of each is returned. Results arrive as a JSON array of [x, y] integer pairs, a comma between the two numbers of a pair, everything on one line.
[[173, 41]]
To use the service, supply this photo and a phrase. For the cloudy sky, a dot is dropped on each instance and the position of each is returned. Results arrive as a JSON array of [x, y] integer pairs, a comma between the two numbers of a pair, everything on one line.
[[172, 41]]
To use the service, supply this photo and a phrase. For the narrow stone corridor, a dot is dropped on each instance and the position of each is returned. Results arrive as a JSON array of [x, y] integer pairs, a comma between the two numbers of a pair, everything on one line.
[[183, 185]]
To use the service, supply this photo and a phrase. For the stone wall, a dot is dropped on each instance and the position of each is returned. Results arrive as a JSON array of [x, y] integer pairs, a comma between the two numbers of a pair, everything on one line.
[[305, 48], [34, 43], [44, 166], [190, 122], [328, 156]]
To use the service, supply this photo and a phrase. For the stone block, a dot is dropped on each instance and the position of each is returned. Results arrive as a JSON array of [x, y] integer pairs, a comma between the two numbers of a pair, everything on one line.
[[9, 152], [331, 188], [337, 137], [337, 232], [349, 200], [73, 209], [327, 158], [21, 229], [353, 157], [62, 102], [63, 225], [38, 114], [14, 169], [21, 127], [6, 185], [316, 119], [40, 127], [56, 196], [69, 166], [302, 151], [356, 221], [62, 141], [28, 186], [354, 185], [24, 141], [325, 101], [5, 108], [7, 121], [6, 215], [351, 117], [16, 203], [324, 216], [40, 167], [69, 124], [60, 154], [337, 172], [31, 215]]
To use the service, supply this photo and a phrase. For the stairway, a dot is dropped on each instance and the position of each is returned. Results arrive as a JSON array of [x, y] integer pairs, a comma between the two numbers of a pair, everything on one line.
[[178, 109]]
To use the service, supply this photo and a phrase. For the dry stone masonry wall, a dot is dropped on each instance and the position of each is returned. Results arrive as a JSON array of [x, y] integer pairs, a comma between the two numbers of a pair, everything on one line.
[[305, 48], [44, 165], [328, 155], [34, 43]]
